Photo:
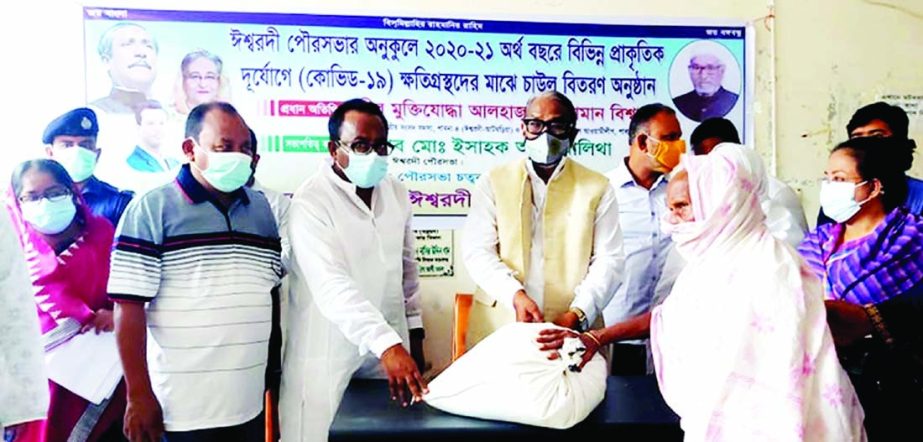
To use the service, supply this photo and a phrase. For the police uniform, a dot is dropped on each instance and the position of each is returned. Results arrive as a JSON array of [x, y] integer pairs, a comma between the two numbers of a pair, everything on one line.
[[102, 198]]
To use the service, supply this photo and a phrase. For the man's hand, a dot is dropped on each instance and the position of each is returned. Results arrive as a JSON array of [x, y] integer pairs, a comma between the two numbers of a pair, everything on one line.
[[101, 322], [551, 340], [143, 419], [402, 375], [568, 320], [848, 322], [526, 309]]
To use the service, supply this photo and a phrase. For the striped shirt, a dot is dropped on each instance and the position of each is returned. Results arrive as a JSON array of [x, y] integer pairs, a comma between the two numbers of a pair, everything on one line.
[[207, 274], [872, 269]]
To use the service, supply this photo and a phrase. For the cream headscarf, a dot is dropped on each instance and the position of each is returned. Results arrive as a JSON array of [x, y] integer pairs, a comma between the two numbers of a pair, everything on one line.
[[741, 346]]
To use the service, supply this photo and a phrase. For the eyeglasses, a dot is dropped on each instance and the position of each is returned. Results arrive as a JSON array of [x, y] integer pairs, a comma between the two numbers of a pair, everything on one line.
[[198, 77], [708, 68], [535, 126], [362, 147], [54, 195]]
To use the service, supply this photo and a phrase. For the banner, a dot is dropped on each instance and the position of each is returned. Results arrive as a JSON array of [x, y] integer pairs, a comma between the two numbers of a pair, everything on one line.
[[454, 91]]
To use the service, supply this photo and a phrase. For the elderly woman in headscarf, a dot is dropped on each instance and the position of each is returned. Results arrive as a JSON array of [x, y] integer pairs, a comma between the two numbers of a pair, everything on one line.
[[741, 346]]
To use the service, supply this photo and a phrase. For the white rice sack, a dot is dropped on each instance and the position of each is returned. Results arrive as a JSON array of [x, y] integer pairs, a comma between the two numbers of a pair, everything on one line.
[[507, 378]]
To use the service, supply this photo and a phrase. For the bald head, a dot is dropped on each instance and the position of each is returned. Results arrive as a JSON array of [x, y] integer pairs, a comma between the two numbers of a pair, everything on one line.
[[555, 99]]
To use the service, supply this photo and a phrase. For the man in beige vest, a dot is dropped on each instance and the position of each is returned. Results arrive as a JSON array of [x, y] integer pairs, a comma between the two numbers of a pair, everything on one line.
[[542, 240]]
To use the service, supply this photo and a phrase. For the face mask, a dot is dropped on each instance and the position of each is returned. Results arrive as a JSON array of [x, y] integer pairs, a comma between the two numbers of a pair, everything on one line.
[[227, 171], [49, 217], [365, 171], [77, 161], [666, 153], [838, 199], [547, 149]]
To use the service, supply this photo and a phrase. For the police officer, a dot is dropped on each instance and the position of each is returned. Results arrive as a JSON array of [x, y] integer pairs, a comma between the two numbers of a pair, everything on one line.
[[71, 141]]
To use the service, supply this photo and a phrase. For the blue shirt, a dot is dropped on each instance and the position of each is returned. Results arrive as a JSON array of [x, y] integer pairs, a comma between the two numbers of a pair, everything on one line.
[[646, 247], [105, 200], [914, 201], [142, 161]]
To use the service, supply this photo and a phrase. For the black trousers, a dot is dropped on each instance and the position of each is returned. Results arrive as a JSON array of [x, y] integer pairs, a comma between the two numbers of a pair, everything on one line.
[[252, 431], [629, 360]]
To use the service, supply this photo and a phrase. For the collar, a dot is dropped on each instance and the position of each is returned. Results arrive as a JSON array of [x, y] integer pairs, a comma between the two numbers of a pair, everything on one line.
[[92, 185], [197, 194], [622, 177], [348, 188], [534, 176], [714, 96]]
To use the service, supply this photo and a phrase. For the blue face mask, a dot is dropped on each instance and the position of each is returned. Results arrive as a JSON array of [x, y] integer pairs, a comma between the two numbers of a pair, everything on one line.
[[49, 217], [227, 171], [365, 171]]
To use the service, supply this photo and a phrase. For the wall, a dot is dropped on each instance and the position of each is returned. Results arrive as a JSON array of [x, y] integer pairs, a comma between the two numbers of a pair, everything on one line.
[[816, 61]]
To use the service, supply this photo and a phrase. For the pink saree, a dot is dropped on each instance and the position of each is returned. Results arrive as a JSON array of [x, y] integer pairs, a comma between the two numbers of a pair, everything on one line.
[[68, 288]]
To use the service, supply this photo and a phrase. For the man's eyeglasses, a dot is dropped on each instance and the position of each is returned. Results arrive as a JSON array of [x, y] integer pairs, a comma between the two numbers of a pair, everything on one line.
[[362, 147], [707, 68], [535, 126], [198, 77], [54, 195]]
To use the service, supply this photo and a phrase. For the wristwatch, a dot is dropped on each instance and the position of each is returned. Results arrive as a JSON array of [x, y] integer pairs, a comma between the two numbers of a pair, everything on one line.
[[581, 318]]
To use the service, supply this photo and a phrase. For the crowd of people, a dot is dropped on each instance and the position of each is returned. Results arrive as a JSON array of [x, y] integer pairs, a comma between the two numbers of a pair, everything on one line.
[[693, 265]]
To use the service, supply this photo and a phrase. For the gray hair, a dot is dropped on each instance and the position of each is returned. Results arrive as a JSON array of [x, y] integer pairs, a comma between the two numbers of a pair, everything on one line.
[[105, 41], [201, 53]]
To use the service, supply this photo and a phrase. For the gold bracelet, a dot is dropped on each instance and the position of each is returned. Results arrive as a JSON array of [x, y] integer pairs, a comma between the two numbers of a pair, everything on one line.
[[878, 323], [593, 337]]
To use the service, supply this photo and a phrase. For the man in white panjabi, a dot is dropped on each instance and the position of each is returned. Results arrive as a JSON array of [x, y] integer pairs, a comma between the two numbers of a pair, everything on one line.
[[542, 240], [354, 309]]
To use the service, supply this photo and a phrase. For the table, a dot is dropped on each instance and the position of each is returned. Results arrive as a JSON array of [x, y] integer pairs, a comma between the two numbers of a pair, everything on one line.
[[632, 410]]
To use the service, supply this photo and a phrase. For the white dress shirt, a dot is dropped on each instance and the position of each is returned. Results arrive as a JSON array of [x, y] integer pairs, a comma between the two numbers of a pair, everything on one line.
[[646, 247], [280, 204], [480, 249], [784, 214]]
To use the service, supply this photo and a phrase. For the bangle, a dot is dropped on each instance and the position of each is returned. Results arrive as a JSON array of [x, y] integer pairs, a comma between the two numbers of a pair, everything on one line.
[[878, 323], [593, 338]]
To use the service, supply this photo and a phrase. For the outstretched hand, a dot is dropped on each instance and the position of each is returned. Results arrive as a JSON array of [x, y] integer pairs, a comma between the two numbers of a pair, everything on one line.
[[551, 341]]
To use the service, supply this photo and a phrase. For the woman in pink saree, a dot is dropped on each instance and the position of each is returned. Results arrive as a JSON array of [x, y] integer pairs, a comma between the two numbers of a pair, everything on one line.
[[67, 255], [741, 346]]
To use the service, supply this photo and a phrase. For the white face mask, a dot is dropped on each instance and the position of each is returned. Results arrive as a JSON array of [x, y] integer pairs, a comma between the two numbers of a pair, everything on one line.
[[838, 199], [227, 171], [47, 216], [547, 149]]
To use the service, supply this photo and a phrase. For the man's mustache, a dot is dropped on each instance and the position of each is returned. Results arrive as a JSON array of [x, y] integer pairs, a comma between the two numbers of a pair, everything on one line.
[[140, 64]]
